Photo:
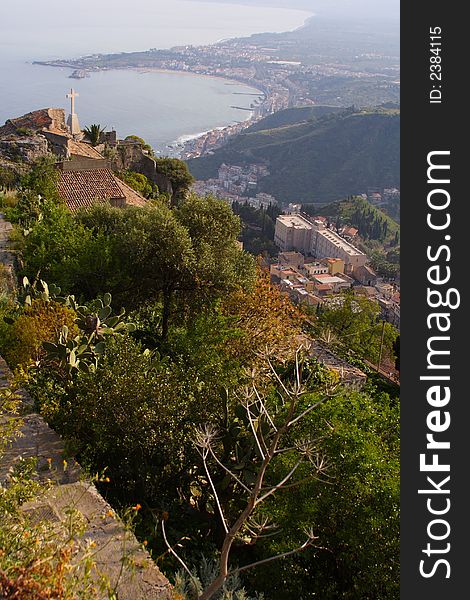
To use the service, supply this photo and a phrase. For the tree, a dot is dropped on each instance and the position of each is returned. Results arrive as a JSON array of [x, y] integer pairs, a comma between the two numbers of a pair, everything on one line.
[[265, 319], [160, 256], [355, 321], [396, 349], [221, 266], [178, 174], [263, 437], [42, 179], [141, 184], [356, 514], [93, 133], [53, 247]]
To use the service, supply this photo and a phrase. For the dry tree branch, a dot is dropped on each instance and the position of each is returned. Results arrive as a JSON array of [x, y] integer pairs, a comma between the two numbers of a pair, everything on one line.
[[246, 488], [170, 549], [308, 543], [268, 430]]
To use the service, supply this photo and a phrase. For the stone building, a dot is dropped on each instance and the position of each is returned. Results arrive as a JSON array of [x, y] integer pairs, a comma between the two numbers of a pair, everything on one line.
[[85, 182]]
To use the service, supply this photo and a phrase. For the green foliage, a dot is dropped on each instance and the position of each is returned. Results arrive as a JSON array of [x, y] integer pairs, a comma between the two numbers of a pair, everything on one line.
[[356, 515], [221, 267], [65, 252], [40, 322], [319, 161], [178, 174], [42, 179], [355, 322], [141, 184], [83, 352], [131, 402], [371, 222], [258, 228], [139, 140], [135, 416], [181, 257], [9, 178], [386, 265]]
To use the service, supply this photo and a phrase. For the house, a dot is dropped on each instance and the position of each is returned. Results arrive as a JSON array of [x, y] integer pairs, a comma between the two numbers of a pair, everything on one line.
[[337, 284], [334, 265], [350, 232], [85, 182], [292, 259], [366, 290], [365, 275]]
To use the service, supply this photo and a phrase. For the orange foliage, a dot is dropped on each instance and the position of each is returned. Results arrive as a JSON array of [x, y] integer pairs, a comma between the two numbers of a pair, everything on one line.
[[267, 319], [40, 322], [37, 581]]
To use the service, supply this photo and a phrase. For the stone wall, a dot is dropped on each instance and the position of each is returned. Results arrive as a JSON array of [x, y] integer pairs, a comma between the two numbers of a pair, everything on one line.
[[130, 155], [118, 556], [26, 149]]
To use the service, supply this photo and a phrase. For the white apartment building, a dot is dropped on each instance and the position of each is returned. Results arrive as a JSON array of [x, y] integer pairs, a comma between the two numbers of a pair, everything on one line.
[[296, 232], [293, 232]]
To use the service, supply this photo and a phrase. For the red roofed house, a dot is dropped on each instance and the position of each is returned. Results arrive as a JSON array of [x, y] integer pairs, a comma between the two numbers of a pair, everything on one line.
[[350, 232], [85, 182]]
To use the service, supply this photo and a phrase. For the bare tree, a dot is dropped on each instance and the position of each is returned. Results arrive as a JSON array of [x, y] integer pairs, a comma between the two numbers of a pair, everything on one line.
[[271, 425]]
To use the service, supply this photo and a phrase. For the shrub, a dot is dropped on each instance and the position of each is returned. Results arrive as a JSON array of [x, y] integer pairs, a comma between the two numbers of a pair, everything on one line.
[[40, 322], [134, 416]]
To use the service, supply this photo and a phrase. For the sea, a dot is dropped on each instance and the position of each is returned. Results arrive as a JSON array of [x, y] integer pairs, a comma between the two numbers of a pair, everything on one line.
[[164, 108]]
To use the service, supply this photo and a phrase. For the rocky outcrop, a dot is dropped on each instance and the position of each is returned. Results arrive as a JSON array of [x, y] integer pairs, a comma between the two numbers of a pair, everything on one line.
[[22, 139], [50, 119], [23, 149]]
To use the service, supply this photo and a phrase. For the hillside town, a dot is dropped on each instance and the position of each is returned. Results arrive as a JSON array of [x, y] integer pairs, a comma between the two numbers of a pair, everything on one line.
[[317, 263], [284, 79], [241, 183]]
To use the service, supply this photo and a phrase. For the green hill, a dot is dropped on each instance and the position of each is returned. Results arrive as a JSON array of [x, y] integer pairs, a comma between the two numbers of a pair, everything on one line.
[[314, 157], [293, 116], [371, 222]]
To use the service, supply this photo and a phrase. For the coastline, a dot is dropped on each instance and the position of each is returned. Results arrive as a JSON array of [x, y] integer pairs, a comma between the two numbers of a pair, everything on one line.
[[189, 73], [190, 145]]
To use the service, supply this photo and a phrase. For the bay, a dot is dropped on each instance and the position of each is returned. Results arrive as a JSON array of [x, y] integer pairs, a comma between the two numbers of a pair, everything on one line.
[[161, 107]]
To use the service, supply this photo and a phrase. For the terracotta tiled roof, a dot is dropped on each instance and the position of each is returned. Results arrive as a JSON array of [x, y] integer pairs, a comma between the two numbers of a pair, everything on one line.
[[45, 118], [82, 149], [83, 189], [133, 198]]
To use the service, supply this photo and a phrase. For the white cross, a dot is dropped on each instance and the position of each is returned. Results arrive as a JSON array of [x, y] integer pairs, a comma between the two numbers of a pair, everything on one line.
[[73, 94]]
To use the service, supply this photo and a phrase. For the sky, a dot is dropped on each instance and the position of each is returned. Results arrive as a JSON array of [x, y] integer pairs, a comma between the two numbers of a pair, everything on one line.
[[360, 9], [45, 29]]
